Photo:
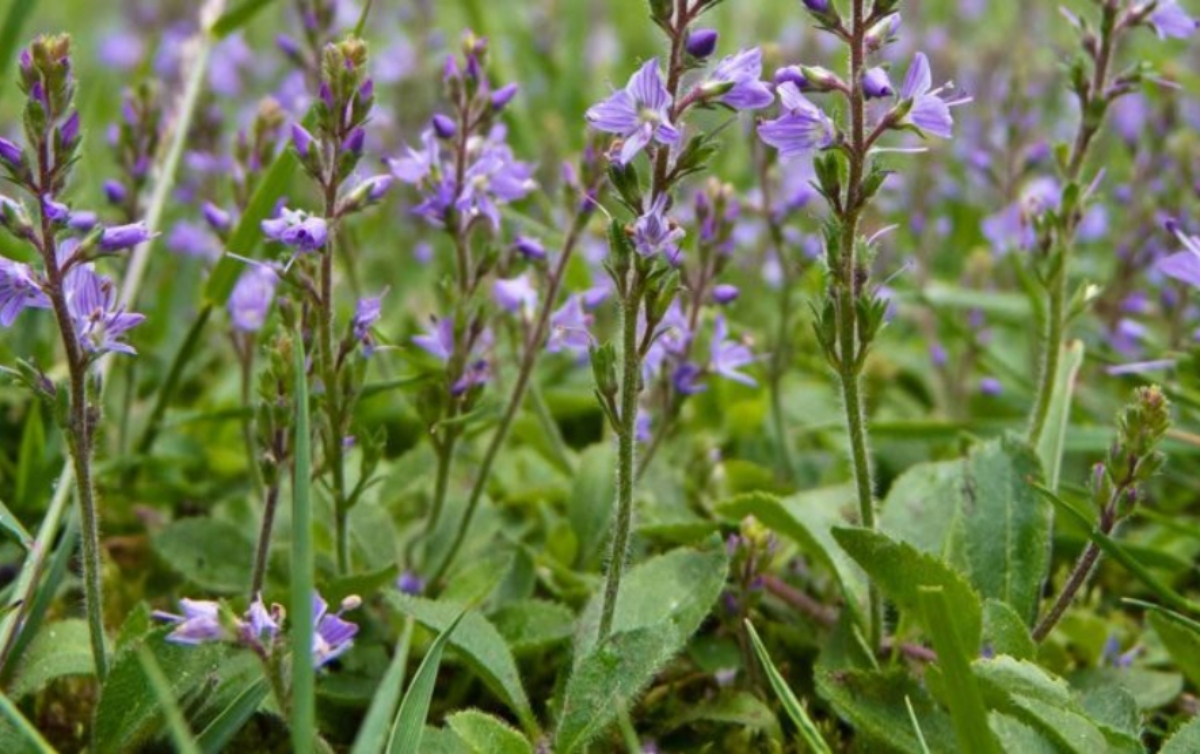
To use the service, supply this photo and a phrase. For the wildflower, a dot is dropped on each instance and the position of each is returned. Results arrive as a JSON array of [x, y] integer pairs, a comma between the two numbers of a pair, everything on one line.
[[802, 128], [100, 322], [655, 233], [123, 237], [439, 341], [415, 166], [727, 356], [477, 372], [410, 583], [302, 140], [217, 218], [725, 294], [639, 113], [1170, 20], [200, 622], [19, 290], [502, 96], [10, 153], [115, 192], [530, 248], [516, 295], [444, 126], [251, 298], [332, 636], [742, 73], [494, 178], [260, 623], [1184, 265], [569, 328], [928, 112], [876, 83], [991, 386], [367, 312], [702, 42], [298, 229], [686, 379]]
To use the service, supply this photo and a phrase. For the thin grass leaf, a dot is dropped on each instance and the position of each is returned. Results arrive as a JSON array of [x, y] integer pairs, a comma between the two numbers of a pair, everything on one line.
[[409, 724], [11, 31], [964, 698], [177, 726], [362, 19], [373, 733], [1054, 437], [214, 738], [31, 462], [24, 727], [304, 726], [912, 715], [808, 729], [238, 16]]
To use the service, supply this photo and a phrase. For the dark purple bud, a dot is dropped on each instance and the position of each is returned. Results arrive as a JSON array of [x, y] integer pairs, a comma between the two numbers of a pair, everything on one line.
[[876, 83], [115, 192], [410, 583], [444, 126], [217, 218], [326, 94], [817, 6], [702, 42], [791, 74], [725, 294], [990, 386], [288, 45], [141, 167], [56, 212], [124, 236], [301, 139], [82, 221], [530, 248], [26, 60], [450, 70], [502, 96], [355, 141], [12, 154], [367, 90], [38, 92], [379, 185], [70, 129]]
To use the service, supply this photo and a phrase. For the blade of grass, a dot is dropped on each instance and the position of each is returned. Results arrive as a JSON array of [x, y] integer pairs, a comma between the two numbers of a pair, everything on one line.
[[238, 16], [214, 738], [46, 592], [912, 715], [24, 727], [1054, 437], [304, 727], [373, 734], [177, 726], [409, 724], [10, 33], [808, 729], [964, 698]]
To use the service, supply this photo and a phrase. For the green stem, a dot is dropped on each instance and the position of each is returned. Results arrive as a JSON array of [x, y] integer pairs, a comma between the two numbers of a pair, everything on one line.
[[631, 378], [335, 421], [1052, 343], [303, 707], [263, 549]]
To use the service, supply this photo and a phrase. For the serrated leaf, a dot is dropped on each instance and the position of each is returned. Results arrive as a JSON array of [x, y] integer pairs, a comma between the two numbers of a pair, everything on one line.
[[876, 703], [59, 649], [1016, 737], [900, 570], [808, 519], [209, 552], [534, 625], [480, 645], [1005, 632], [1116, 713], [1028, 693], [485, 734], [1186, 740]]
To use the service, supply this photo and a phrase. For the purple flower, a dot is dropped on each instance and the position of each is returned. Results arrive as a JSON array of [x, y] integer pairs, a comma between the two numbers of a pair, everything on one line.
[[530, 248], [928, 112], [802, 128], [504, 95], [727, 356], [725, 294], [569, 328], [115, 192], [11, 153], [654, 232], [410, 583], [200, 622], [990, 386], [355, 142], [123, 237], [516, 295], [1184, 265], [301, 139], [686, 379], [639, 113], [332, 636], [193, 240], [439, 341], [742, 73], [18, 291], [876, 83], [298, 229], [415, 166], [56, 212], [495, 178], [217, 218], [817, 6], [702, 42], [477, 372], [444, 126], [251, 298], [260, 622], [366, 313], [100, 322], [1170, 20]]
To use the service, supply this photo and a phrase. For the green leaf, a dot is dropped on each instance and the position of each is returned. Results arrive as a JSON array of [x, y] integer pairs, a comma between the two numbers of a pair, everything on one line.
[[1005, 632], [534, 625], [303, 713], [607, 677], [962, 692], [217, 735], [59, 649], [736, 709], [238, 16], [409, 724], [1028, 693], [589, 504], [185, 743], [1182, 643], [28, 737], [900, 570], [373, 733], [1058, 418], [480, 645], [674, 591], [31, 470], [1016, 737], [487, 735], [248, 234], [11, 33], [1186, 740], [209, 552], [981, 515], [1114, 709], [808, 519], [809, 733], [876, 704]]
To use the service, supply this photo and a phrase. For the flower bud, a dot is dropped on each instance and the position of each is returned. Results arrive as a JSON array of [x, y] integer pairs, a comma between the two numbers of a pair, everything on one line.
[[876, 83], [882, 32], [301, 139], [502, 96], [725, 294], [702, 42], [444, 126]]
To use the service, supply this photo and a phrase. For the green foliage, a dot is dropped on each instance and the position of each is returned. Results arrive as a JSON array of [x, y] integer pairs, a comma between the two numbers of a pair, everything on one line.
[[60, 649], [485, 734], [799, 716], [210, 553], [409, 724]]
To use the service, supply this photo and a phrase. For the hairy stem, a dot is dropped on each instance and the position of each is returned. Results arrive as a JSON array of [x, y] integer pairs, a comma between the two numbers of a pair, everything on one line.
[[631, 377], [263, 549], [329, 371]]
